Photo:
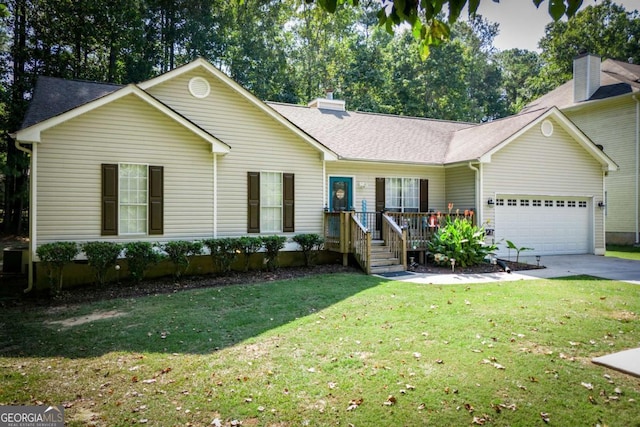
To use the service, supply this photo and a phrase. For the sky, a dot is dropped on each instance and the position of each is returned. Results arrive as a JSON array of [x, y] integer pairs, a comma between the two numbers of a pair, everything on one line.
[[522, 25]]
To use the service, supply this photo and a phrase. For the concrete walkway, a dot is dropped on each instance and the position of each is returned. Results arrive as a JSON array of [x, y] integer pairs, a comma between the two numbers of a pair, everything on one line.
[[611, 268]]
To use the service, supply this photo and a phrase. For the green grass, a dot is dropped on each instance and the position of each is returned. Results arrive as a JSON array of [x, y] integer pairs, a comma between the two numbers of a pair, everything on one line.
[[628, 252], [331, 350]]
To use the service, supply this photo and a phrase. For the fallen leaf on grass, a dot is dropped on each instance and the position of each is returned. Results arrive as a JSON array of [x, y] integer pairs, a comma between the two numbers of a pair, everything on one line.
[[588, 386], [353, 404], [390, 401], [480, 421], [149, 381], [545, 417], [494, 364]]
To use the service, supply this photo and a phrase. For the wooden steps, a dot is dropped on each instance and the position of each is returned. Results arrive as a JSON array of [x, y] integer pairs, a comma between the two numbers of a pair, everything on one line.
[[382, 260]]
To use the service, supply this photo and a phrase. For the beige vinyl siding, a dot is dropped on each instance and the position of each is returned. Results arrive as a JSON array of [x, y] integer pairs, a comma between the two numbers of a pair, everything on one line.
[[258, 144], [612, 125], [461, 187], [366, 173], [125, 131], [540, 165]]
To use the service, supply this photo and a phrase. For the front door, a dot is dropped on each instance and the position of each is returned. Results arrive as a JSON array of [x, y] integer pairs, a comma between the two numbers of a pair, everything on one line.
[[340, 193]]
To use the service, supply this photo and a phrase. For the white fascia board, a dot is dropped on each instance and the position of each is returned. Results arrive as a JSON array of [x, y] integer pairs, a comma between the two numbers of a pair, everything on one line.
[[327, 154], [33, 134]]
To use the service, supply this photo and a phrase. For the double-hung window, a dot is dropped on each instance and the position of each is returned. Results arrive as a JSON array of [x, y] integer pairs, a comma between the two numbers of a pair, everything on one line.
[[132, 199], [402, 194], [270, 202]]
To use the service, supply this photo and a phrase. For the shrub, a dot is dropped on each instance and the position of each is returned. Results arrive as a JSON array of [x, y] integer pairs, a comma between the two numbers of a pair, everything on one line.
[[55, 256], [140, 255], [309, 243], [272, 245], [512, 245], [461, 240], [180, 253], [248, 246], [102, 256], [223, 252]]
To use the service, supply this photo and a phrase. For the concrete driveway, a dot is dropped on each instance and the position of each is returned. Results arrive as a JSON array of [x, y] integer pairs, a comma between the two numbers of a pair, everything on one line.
[[624, 270], [611, 268]]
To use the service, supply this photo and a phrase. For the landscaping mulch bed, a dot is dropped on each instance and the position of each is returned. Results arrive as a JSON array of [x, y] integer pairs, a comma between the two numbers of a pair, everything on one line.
[[164, 285]]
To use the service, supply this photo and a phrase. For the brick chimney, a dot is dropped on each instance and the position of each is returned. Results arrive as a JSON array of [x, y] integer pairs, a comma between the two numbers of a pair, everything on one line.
[[586, 76]]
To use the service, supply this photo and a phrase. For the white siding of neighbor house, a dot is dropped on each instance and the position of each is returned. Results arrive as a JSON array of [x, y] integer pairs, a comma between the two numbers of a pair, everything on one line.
[[128, 130], [613, 125], [258, 143], [461, 187], [553, 166], [366, 173]]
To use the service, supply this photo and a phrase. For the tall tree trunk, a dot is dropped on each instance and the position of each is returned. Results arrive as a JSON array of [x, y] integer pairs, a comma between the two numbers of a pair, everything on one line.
[[15, 172]]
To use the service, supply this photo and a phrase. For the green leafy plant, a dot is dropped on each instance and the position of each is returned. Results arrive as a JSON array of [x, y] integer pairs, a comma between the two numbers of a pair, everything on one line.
[[180, 252], [272, 246], [140, 256], [461, 240], [248, 246], [223, 252], [55, 256], [309, 244], [511, 245], [102, 257]]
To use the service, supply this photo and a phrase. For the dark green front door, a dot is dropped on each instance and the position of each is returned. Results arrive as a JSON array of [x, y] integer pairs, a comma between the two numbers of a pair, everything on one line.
[[340, 194]]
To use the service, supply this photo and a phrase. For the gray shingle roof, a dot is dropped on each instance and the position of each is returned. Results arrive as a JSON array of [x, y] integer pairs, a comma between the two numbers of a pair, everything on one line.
[[375, 137], [351, 135], [616, 78], [53, 96]]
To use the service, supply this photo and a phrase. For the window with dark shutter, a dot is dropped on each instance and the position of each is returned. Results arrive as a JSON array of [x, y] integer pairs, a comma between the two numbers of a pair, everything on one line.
[[253, 205], [109, 200], [288, 216], [156, 200]]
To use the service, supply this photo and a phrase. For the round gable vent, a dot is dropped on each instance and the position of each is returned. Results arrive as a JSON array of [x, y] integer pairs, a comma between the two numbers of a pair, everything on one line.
[[199, 87], [546, 128]]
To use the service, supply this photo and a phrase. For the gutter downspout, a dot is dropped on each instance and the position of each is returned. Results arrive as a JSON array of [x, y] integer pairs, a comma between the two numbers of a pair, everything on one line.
[[637, 236], [31, 214], [479, 183]]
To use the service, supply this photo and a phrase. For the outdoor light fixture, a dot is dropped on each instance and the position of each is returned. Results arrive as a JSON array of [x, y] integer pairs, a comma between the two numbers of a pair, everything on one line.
[[602, 205], [490, 202], [538, 260], [453, 264]]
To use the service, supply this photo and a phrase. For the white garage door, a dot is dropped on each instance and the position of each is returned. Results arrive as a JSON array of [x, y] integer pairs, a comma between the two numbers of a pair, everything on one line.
[[549, 225]]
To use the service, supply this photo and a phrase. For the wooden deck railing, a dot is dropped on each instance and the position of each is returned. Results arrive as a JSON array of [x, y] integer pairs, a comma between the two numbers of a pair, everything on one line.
[[395, 238], [361, 243]]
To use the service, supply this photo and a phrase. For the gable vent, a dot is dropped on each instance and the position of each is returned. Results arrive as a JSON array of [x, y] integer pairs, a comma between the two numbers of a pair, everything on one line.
[[199, 87]]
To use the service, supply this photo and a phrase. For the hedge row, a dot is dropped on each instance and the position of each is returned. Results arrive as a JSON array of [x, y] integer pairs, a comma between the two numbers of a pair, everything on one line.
[[140, 256]]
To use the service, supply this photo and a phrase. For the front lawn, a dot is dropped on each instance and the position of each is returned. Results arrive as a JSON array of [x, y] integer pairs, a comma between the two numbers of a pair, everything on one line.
[[628, 252], [335, 349]]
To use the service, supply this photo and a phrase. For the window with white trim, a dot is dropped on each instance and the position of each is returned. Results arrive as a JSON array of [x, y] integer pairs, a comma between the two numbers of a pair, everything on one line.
[[133, 187], [271, 202], [402, 194]]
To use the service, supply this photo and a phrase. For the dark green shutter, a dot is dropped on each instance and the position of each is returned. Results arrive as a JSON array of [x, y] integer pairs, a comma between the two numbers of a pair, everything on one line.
[[109, 200], [424, 195], [288, 217], [253, 198], [380, 201], [156, 200]]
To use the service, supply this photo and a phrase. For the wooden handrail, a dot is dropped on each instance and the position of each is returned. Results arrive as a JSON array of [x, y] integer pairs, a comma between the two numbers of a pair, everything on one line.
[[361, 243], [395, 237]]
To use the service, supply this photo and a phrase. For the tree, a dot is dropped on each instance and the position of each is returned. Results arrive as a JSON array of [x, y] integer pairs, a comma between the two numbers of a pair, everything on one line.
[[605, 29], [425, 17], [518, 67]]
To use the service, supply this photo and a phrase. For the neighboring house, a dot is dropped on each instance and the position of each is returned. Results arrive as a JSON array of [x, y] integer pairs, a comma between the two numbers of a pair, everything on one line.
[[192, 155], [603, 100]]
